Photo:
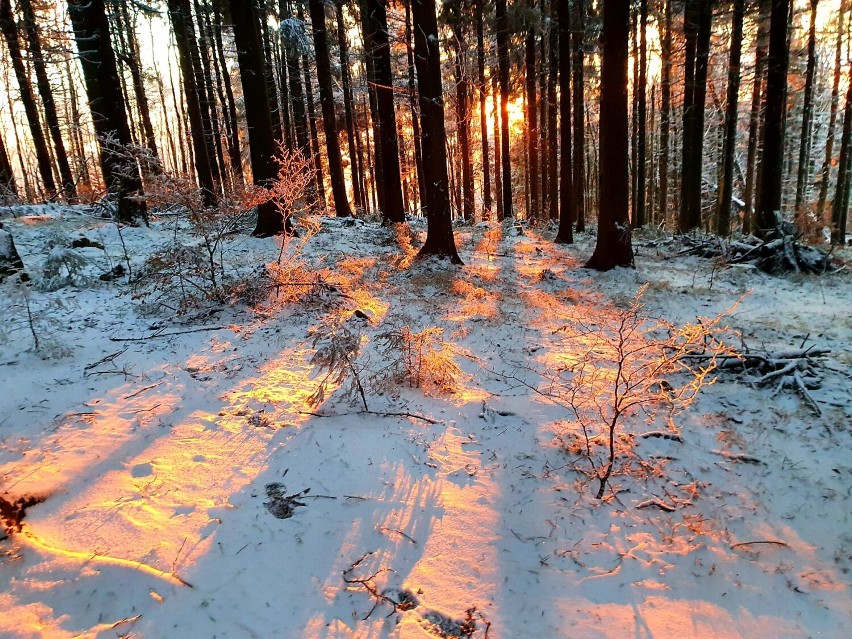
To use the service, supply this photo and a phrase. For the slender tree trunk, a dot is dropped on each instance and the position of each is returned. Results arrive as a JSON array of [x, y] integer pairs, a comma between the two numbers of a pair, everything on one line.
[[498, 145], [10, 32], [8, 188], [182, 25], [46, 93], [91, 31], [552, 110], [772, 164], [641, 104], [825, 172], [439, 234], [804, 173], [354, 165], [250, 56], [613, 247], [723, 219], [462, 115], [483, 93], [565, 234], [329, 118], [269, 75], [579, 183], [378, 44], [532, 126], [665, 108], [840, 207], [290, 36], [502, 26], [231, 115], [412, 97], [754, 117], [214, 143]]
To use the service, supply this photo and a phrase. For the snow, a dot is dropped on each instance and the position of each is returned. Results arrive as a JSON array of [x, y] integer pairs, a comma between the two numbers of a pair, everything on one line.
[[163, 441]]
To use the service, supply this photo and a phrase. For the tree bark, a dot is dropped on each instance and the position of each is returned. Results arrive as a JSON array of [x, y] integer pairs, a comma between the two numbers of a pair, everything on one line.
[[723, 219], [552, 111], [825, 172], [502, 26], [665, 108], [761, 48], [840, 207], [532, 125], [641, 115], [772, 164], [578, 32], [565, 234], [100, 73], [427, 58], [613, 246], [483, 93], [329, 118], [7, 174], [233, 127], [346, 82], [804, 173]]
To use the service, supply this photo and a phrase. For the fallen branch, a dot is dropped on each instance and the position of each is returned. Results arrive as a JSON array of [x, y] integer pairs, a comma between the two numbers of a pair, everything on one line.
[[158, 334], [762, 541], [656, 503], [428, 420], [370, 586]]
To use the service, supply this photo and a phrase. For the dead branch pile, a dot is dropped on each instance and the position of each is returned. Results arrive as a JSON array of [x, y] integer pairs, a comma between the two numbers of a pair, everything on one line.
[[779, 252]]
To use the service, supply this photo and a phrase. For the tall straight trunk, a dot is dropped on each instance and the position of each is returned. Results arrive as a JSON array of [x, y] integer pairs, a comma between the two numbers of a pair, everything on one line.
[[206, 90], [370, 186], [378, 45], [498, 144], [762, 45], [697, 25], [77, 145], [269, 76], [329, 118], [578, 31], [10, 32], [772, 164], [49, 104], [502, 26], [289, 45], [641, 115], [439, 234], [231, 112], [412, 98], [483, 93], [804, 173], [7, 174], [319, 180], [374, 120], [91, 31], [552, 110], [665, 107], [840, 206], [250, 56], [634, 119], [825, 172], [224, 123], [184, 37], [613, 247], [178, 99], [133, 64], [280, 65], [565, 234], [532, 125], [726, 188], [346, 81], [463, 119], [542, 120]]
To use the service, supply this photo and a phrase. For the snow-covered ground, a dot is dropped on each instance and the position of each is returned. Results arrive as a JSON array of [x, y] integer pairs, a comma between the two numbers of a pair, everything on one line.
[[191, 489]]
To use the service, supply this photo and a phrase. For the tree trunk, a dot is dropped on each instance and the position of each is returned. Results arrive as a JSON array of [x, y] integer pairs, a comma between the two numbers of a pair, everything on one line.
[[210, 112], [8, 188], [772, 164], [10, 32], [483, 93], [439, 234], [46, 93], [233, 127], [185, 39], [665, 108], [270, 220], [462, 110], [804, 173], [613, 246], [641, 104], [565, 234], [825, 172], [498, 159], [532, 126], [91, 31], [412, 99], [378, 45], [552, 111], [762, 46], [354, 165], [502, 26], [723, 219], [578, 32], [329, 118], [269, 74], [840, 206]]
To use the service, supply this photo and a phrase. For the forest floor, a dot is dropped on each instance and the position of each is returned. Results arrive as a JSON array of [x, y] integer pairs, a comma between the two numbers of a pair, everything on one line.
[[193, 482]]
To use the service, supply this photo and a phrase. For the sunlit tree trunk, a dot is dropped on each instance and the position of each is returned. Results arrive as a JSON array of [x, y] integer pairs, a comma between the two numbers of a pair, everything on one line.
[[46, 93], [329, 122], [319, 180], [185, 39], [565, 234], [9, 27], [378, 45], [439, 235], [349, 118], [498, 159], [412, 100], [502, 27], [641, 115], [614, 246], [231, 114], [458, 46], [772, 163], [483, 93], [91, 31], [825, 172], [723, 219], [665, 107], [552, 111], [578, 32], [250, 57], [762, 45], [840, 208], [210, 112]]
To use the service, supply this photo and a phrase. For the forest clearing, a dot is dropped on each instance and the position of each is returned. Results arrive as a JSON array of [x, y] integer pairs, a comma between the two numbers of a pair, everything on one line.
[[195, 484]]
